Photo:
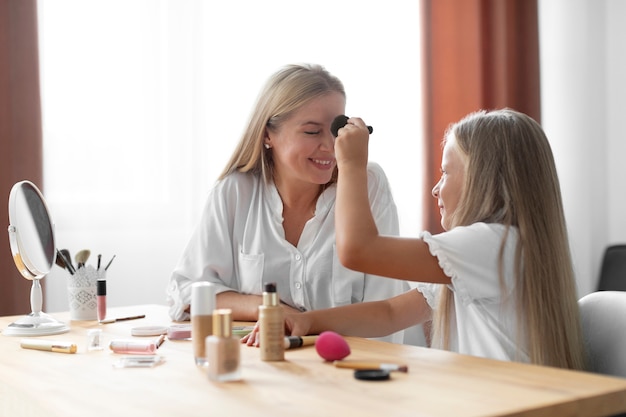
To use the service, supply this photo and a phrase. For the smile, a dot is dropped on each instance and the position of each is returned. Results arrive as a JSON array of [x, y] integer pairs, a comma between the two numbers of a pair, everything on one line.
[[319, 161]]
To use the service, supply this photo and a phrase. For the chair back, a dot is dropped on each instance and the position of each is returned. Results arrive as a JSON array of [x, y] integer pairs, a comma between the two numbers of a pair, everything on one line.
[[603, 316], [613, 271]]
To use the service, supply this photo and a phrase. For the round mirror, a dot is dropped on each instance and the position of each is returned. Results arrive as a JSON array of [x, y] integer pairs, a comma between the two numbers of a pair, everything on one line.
[[31, 235]]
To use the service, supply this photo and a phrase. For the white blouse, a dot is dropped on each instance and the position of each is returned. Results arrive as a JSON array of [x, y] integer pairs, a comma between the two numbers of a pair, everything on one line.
[[240, 244], [485, 322]]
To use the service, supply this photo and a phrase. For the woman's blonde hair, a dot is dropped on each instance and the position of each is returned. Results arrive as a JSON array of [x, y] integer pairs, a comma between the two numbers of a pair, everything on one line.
[[511, 179], [284, 93]]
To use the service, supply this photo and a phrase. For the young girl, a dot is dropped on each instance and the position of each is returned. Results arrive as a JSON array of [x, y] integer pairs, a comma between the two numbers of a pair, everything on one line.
[[499, 281]]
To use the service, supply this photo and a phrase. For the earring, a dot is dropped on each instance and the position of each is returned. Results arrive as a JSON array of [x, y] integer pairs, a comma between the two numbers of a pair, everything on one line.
[[267, 146]]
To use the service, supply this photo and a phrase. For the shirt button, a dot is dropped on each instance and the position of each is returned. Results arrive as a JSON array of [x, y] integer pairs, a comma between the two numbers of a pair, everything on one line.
[[298, 257], [298, 285]]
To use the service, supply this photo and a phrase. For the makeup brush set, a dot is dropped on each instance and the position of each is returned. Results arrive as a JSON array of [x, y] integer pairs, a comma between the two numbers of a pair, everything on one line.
[[83, 282], [64, 260]]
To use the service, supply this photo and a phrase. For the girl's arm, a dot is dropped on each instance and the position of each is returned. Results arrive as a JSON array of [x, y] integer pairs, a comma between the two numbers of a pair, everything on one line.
[[370, 319], [359, 245]]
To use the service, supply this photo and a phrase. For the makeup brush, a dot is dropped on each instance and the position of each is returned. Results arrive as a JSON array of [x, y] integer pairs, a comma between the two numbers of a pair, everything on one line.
[[339, 122], [109, 264], [64, 263], [68, 259], [59, 260], [81, 257]]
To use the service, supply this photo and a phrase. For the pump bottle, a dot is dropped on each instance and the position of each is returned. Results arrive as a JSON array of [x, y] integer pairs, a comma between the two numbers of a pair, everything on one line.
[[272, 325]]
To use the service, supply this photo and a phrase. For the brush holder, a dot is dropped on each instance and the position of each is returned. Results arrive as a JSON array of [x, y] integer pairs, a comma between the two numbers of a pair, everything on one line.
[[82, 293]]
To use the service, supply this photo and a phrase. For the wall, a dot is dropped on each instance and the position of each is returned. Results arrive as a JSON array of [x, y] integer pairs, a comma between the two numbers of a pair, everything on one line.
[[582, 45]]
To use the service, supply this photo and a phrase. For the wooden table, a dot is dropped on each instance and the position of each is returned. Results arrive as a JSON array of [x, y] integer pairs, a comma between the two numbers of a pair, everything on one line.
[[36, 383]]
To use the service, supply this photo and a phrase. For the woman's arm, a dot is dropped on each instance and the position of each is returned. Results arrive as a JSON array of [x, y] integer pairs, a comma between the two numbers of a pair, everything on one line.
[[359, 245]]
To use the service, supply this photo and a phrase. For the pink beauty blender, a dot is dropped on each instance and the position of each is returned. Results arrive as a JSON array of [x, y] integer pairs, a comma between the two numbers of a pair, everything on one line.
[[331, 346]]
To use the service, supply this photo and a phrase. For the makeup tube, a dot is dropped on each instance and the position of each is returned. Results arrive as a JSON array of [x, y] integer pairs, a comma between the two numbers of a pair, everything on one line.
[[48, 345], [137, 347], [101, 299]]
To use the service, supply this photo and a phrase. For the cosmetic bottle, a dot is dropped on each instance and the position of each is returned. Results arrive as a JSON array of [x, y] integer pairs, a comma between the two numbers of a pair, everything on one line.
[[202, 306], [272, 326], [101, 299], [223, 349]]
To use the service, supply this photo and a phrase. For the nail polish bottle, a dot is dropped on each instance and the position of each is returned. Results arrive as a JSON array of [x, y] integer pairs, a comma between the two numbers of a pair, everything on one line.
[[202, 306], [223, 349], [272, 325]]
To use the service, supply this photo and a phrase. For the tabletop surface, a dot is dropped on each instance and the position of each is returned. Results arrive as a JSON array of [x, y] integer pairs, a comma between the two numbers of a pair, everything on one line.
[[438, 383]]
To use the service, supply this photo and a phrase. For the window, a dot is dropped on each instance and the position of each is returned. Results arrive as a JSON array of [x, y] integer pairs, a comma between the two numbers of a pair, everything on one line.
[[143, 102]]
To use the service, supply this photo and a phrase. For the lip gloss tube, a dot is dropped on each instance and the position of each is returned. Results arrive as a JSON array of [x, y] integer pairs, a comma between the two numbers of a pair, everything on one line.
[[101, 299]]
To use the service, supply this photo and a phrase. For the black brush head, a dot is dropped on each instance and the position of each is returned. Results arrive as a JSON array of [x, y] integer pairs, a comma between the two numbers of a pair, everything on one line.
[[339, 122]]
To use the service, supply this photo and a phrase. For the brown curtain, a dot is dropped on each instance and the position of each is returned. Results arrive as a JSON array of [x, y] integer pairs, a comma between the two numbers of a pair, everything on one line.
[[477, 54], [20, 132]]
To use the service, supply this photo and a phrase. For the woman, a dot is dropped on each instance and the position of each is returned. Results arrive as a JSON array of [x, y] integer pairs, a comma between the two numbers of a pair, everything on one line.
[[271, 214]]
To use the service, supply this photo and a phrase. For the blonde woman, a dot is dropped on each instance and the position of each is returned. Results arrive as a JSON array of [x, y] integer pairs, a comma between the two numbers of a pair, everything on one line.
[[271, 215], [499, 281]]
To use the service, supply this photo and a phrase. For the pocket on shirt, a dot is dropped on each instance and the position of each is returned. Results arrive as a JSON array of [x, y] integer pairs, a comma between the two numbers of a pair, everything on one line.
[[250, 272], [348, 285]]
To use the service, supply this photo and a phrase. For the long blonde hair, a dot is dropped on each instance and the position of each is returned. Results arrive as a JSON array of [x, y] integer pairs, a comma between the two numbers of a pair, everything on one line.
[[284, 93], [511, 179]]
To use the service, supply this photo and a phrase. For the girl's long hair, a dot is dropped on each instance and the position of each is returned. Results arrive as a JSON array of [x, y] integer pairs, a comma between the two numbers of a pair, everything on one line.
[[511, 179]]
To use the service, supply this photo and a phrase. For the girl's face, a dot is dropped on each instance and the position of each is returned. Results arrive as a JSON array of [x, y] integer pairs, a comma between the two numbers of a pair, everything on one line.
[[303, 149], [450, 186]]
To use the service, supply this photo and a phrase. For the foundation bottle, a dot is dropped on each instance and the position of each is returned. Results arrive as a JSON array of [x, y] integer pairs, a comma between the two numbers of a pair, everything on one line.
[[222, 349], [272, 325], [202, 306]]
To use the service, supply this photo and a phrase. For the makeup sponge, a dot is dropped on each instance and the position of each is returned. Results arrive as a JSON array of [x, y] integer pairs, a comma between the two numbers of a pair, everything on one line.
[[331, 346]]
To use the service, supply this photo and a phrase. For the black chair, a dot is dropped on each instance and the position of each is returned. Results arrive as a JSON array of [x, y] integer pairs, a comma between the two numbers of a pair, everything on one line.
[[613, 272]]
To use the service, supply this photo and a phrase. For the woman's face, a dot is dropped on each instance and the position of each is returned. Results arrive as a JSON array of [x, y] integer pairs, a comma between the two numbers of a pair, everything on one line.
[[303, 149], [448, 190]]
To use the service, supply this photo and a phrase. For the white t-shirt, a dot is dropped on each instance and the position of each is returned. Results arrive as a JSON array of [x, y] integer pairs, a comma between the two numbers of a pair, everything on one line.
[[485, 322], [240, 243]]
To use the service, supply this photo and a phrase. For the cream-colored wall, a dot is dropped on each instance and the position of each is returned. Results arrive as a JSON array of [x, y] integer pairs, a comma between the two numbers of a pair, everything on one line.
[[583, 45]]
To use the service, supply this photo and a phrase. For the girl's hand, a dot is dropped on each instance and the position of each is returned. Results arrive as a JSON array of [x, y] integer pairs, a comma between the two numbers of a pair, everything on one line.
[[351, 143], [298, 324], [253, 338]]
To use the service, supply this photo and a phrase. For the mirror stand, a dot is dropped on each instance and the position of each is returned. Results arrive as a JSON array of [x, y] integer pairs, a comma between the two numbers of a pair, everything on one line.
[[37, 323]]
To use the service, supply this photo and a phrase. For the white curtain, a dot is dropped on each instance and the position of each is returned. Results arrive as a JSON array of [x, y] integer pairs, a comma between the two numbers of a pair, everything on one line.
[[143, 102]]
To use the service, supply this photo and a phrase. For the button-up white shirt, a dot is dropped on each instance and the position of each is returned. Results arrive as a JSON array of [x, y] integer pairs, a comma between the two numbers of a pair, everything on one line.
[[240, 244]]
